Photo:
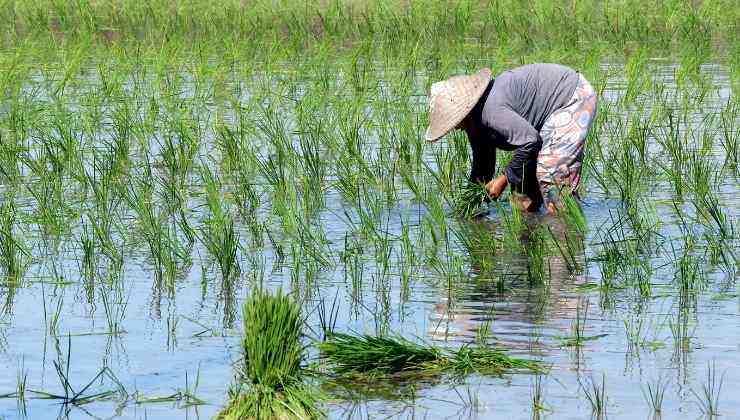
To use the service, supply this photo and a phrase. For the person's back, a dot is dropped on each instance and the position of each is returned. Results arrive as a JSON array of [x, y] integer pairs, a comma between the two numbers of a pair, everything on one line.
[[533, 91]]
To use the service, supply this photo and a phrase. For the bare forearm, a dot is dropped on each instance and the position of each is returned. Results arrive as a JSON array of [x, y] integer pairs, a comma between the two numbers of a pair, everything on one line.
[[497, 186]]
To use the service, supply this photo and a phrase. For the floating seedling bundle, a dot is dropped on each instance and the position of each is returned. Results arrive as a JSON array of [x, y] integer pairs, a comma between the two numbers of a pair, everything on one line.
[[389, 356]]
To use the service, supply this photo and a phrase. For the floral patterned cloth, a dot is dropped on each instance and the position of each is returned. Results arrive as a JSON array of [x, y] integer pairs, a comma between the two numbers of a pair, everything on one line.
[[563, 139]]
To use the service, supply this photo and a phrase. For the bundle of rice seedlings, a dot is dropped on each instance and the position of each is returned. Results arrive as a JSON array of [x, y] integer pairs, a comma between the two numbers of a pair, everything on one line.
[[364, 354], [469, 199], [296, 401], [372, 354], [272, 348], [271, 375], [486, 361]]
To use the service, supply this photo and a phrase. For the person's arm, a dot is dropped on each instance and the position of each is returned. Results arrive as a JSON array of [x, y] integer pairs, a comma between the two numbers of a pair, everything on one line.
[[484, 159], [520, 133], [523, 163]]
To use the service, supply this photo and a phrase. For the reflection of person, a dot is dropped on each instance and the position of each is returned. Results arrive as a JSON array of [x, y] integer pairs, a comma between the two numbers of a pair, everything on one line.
[[541, 112], [521, 306]]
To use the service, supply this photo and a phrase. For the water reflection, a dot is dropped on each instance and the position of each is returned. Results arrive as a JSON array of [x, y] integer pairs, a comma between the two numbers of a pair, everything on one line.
[[516, 282]]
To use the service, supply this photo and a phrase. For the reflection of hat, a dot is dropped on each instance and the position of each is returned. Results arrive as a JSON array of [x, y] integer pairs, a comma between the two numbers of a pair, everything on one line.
[[452, 99]]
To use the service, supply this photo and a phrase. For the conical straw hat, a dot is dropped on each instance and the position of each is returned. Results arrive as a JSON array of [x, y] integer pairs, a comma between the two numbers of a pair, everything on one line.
[[452, 99]]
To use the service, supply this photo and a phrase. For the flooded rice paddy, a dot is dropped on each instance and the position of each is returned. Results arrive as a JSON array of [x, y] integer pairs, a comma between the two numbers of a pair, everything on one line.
[[142, 208]]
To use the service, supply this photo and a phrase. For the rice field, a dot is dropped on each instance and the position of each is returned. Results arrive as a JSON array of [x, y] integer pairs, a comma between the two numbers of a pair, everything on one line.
[[229, 211]]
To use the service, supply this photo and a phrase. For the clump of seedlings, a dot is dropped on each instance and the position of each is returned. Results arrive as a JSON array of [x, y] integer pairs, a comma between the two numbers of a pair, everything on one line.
[[469, 201], [271, 376], [12, 253], [596, 395], [654, 394], [578, 327], [708, 398], [396, 357], [537, 264]]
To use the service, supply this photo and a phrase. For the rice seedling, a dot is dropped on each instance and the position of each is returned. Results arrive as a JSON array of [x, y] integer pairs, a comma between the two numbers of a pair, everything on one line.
[[709, 207], [222, 241], [626, 171], [537, 394], [624, 250], [730, 137], [164, 247], [515, 227], [186, 397], [688, 273], [536, 247], [89, 254], [20, 390], [178, 150], [573, 214], [114, 314], [636, 75], [11, 149], [654, 394], [51, 320], [314, 168], [85, 395], [328, 319], [218, 234], [380, 356], [701, 174], [570, 247], [481, 245], [468, 201], [102, 216], [578, 335], [708, 398], [271, 371], [13, 255], [596, 395]]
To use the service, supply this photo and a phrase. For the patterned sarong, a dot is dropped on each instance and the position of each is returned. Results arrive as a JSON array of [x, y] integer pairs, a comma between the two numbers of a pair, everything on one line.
[[563, 139]]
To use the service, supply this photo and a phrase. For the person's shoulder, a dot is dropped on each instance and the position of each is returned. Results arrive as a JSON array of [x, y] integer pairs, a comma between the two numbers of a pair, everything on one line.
[[496, 102], [541, 66]]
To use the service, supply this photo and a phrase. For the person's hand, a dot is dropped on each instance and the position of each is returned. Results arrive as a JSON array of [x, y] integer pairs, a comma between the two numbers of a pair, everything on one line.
[[522, 202], [497, 186]]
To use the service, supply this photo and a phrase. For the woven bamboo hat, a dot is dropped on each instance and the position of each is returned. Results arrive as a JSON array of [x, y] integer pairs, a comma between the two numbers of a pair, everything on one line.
[[452, 99]]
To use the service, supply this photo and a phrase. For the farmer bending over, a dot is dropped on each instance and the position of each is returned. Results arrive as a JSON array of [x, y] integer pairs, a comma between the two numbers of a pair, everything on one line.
[[540, 111]]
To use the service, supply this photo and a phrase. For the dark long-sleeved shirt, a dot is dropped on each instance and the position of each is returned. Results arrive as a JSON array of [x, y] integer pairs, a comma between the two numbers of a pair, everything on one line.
[[511, 113]]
